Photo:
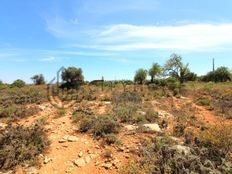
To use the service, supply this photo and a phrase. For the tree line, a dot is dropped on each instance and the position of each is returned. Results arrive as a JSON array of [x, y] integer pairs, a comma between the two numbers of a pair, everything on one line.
[[174, 70]]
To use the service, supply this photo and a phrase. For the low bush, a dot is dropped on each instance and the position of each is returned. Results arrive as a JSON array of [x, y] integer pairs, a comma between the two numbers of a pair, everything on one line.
[[218, 136], [86, 124], [178, 130], [20, 144], [18, 83], [151, 116], [111, 139], [126, 97], [161, 156], [100, 126], [125, 113], [104, 125], [18, 111], [204, 101]]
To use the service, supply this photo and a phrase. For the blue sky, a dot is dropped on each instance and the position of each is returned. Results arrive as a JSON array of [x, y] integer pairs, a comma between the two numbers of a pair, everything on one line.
[[111, 38]]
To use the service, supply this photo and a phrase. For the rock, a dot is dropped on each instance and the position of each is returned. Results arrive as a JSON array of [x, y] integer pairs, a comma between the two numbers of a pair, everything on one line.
[[141, 113], [74, 128], [87, 159], [121, 148], [97, 163], [2, 125], [62, 141], [79, 162], [31, 170], [69, 138], [178, 140], [130, 127], [107, 165], [153, 127], [107, 103], [89, 151], [72, 138], [127, 156], [80, 154], [97, 147], [164, 114], [116, 161], [47, 160], [92, 156], [182, 149]]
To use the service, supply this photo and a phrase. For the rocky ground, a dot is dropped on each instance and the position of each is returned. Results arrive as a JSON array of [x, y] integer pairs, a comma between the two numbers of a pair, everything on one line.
[[73, 152]]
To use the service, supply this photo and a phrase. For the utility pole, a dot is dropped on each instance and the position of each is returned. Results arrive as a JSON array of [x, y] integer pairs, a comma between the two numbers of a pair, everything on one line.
[[213, 65]]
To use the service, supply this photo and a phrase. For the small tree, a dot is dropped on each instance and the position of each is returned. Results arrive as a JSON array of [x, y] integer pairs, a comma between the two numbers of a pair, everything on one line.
[[140, 76], [154, 71], [18, 83], [38, 79], [72, 77], [174, 67]]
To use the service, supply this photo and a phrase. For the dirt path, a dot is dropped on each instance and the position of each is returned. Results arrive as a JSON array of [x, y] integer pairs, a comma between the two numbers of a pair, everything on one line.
[[203, 114], [69, 151]]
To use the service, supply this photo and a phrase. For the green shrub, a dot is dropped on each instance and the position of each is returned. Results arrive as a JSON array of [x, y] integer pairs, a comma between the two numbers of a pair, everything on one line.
[[204, 101], [126, 97], [20, 144], [219, 137], [178, 130], [111, 139], [151, 116], [125, 113], [18, 111], [153, 86], [104, 125], [86, 124], [18, 83], [161, 156], [173, 85]]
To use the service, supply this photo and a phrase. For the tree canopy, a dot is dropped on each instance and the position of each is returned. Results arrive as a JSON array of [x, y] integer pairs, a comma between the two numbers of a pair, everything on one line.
[[72, 77], [221, 74], [154, 71], [174, 67], [140, 76], [38, 79]]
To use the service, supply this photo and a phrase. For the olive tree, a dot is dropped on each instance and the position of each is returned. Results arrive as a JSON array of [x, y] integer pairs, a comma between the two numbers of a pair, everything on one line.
[[38, 79], [72, 77], [140, 76], [174, 67], [154, 71]]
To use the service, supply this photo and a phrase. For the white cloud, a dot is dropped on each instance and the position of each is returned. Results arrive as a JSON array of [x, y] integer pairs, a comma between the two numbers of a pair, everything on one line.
[[125, 37], [195, 37], [48, 59]]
